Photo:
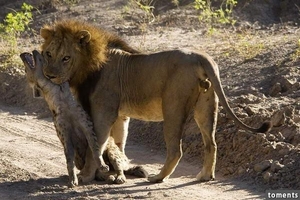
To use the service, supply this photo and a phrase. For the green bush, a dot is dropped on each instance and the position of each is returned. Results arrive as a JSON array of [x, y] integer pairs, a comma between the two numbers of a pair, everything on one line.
[[210, 15], [14, 24]]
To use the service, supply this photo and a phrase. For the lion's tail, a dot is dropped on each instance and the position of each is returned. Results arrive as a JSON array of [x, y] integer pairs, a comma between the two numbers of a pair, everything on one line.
[[212, 71], [137, 171]]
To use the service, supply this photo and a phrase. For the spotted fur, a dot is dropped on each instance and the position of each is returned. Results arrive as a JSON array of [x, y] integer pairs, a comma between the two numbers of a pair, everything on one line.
[[74, 127]]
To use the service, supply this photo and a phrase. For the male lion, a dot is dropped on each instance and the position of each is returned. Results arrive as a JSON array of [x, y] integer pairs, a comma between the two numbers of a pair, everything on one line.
[[114, 82]]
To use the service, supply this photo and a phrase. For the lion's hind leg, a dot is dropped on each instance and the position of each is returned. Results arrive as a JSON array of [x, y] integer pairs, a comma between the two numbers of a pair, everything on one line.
[[173, 126], [206, 117]]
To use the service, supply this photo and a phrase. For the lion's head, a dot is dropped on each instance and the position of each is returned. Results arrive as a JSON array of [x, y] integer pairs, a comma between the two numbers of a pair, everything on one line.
[[73, 50]]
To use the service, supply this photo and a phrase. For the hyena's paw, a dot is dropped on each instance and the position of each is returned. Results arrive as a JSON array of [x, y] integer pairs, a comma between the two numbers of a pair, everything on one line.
[[120, 179], [104, 168], [100, 176], [111, 179], [73, 181]]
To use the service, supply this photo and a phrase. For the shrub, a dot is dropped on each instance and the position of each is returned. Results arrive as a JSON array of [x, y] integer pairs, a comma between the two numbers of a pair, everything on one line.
[[208, 14]]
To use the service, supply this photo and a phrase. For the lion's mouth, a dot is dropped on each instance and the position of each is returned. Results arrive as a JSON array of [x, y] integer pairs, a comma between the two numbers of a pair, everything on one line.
[[50, 77]]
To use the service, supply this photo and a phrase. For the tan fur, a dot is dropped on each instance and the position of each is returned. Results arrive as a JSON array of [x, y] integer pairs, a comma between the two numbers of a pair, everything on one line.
[[152, 87]]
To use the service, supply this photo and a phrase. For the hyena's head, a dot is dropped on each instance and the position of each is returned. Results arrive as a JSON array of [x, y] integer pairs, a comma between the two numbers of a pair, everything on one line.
[[34, 70]]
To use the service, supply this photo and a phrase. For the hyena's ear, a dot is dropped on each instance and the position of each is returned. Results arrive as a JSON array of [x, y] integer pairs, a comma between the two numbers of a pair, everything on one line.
[[84, 37], [46, 32]]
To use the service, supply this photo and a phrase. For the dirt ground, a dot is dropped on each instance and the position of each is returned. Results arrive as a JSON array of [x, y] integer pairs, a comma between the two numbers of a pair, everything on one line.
[[259, 64]]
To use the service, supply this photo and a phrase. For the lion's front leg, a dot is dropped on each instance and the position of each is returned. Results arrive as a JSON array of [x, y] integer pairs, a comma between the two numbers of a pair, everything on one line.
[[119, 132], [104, 115]]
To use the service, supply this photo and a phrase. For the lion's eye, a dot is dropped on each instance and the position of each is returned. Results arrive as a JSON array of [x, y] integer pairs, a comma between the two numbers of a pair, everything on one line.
[[48, 54], [66, 59]]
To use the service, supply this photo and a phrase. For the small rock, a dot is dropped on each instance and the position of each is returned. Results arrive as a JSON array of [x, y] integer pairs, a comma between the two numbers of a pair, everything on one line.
[[271, 137], [241, 170], [228, 171], [267, 176], [276, 166], [166, 194], [278, 118], [275, 90], [283, 148], [279, 146], [284, 151], [279, 136], [263, 166]]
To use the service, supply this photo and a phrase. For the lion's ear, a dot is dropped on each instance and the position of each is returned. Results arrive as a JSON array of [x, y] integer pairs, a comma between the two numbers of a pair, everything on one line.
[[84, 37], [46, 33]]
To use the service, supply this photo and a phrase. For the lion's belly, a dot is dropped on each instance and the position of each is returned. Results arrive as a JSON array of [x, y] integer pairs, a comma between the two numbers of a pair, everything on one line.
[[150, 111]]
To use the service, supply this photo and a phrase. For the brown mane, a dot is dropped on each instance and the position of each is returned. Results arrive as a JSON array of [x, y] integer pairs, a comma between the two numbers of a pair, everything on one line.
[[95, 52]]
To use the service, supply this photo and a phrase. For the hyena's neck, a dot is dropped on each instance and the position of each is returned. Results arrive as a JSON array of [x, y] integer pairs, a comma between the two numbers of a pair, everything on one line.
[[58, 97], [51, 93]]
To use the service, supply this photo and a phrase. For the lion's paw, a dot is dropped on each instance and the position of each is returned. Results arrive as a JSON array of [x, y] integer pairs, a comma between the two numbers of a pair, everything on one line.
[[155, 178], [82, 178], [205, 177]]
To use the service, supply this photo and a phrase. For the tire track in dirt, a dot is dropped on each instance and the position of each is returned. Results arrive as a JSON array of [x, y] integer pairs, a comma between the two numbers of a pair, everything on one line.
[[23, 144]]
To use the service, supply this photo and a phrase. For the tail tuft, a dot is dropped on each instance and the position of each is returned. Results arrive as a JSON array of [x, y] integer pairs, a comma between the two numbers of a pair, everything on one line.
[[137, 171], [265, 127]]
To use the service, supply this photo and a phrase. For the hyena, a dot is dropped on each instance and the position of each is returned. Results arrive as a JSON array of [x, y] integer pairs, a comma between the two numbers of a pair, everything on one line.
[[74, 127]]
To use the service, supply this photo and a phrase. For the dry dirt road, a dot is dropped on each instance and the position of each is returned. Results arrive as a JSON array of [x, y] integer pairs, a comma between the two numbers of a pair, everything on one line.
[[33, 167]]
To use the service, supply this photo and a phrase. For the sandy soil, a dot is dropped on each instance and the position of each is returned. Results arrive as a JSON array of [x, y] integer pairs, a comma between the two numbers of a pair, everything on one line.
[[33, 167], [260, 77]]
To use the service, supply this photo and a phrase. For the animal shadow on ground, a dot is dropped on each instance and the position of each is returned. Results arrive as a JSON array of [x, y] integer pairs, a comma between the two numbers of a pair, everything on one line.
[[44, 188], [56, 188]]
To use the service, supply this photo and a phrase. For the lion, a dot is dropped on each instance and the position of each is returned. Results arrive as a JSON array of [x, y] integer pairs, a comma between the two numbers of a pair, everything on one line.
[[113, 82], [74, 127]]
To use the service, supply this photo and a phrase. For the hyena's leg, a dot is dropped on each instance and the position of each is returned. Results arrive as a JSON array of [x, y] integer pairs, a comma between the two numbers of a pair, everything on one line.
[[118, 160], [119, 131], [87, 174], [206, 118], [70, 157]]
